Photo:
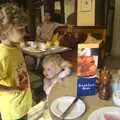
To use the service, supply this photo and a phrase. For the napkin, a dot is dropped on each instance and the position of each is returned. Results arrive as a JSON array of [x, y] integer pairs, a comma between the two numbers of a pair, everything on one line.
[[39, 112]]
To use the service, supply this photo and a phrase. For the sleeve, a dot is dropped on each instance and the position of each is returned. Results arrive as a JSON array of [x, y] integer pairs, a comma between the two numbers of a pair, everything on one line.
[[3, 69]]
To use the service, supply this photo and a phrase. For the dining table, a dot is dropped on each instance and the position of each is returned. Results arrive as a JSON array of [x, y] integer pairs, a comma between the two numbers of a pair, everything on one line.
[[68, 88], [42, 53], [39, 54]]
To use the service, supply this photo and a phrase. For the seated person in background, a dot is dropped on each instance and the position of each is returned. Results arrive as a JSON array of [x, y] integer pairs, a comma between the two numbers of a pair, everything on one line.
[[45, 30], [56, 69]]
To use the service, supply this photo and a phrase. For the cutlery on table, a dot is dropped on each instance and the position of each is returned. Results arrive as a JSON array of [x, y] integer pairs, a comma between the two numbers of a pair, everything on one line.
[[69, 108]]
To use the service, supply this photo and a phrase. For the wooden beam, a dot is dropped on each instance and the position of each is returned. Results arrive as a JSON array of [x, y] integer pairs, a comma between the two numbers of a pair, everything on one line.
[[32, 29], [62, 11], [75, 11]]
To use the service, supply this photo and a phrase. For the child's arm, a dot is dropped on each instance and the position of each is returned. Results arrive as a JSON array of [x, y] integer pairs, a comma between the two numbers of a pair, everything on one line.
[[9, 89], [67, 67], [64, 73]]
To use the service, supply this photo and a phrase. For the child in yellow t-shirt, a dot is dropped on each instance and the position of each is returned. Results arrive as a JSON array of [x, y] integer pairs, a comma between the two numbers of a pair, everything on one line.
[[15, 92]]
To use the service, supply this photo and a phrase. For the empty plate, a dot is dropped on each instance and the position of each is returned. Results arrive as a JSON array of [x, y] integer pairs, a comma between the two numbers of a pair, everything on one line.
[[61, 104]]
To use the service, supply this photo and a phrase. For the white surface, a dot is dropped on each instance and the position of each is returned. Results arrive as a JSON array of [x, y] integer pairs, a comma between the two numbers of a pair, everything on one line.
[[39, 112], [30, 42], [43, 48], [58, 48], [36, 111], [61, 104], [31, 49], [99, 113]]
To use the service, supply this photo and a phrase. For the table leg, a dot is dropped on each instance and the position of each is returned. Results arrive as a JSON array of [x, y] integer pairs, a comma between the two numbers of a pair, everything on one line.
[[37, 63]]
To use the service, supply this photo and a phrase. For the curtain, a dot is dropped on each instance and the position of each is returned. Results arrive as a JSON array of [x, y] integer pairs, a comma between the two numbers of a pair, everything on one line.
[[116, 32]]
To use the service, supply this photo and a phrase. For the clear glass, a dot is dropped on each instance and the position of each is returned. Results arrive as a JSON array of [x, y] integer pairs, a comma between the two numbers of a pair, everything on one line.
[[116, 83], [116, 89]]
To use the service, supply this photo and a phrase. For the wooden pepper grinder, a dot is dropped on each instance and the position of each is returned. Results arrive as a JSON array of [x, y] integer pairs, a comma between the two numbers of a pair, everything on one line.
[[104, 88]]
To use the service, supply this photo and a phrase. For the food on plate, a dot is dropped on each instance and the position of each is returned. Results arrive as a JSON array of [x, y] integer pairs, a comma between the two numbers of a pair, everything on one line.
[[111, 117]]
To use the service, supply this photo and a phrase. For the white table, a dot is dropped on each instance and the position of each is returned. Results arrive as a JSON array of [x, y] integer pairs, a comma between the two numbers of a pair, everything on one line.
[[39, 54]]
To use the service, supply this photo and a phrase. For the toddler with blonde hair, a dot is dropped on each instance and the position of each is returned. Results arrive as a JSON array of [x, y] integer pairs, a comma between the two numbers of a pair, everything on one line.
[[55, 70]]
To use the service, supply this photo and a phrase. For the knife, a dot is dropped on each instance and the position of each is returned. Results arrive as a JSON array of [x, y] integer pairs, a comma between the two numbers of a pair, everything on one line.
[[68, 110]]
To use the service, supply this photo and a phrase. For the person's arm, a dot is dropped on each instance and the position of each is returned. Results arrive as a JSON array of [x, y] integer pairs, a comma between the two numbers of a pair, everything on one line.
[[9, 89]]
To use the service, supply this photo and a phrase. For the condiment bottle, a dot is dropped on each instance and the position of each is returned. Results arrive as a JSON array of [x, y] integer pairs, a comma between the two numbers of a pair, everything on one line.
[[104, 88]]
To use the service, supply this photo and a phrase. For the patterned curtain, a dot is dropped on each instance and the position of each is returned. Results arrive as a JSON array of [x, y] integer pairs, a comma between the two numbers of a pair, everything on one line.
[[116, 32]]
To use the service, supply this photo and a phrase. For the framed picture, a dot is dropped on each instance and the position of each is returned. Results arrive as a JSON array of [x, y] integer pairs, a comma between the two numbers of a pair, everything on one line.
[[85, 5]]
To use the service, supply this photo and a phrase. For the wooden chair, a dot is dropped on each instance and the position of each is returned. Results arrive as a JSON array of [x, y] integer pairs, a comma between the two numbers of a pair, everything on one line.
[[78, 34]]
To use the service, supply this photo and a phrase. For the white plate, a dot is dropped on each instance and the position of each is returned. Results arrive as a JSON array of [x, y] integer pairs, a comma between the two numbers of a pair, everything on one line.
[[30, 42], [58, 48], [59, 106], [33, 50], [99, 113]]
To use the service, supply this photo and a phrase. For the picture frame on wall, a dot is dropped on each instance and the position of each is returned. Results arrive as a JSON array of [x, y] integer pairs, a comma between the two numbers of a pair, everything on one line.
[[85, 5]]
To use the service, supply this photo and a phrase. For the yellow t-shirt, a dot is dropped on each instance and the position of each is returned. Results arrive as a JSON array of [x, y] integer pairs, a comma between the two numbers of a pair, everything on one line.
[[13, 73]]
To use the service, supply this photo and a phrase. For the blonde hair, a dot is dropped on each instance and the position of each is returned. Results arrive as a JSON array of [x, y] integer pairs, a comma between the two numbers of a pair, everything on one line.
[[57, 61], [10, 14]]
